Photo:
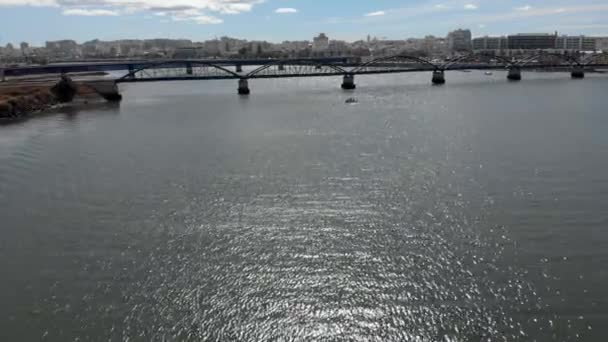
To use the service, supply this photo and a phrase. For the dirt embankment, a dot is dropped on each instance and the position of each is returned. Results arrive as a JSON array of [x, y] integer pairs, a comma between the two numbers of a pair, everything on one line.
[[18, 100]]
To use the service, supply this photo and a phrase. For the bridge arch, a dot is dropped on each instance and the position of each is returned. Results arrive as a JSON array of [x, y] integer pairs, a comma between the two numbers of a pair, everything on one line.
[[593, 58], [179, 69], [476, 56], [294, 68], [571, 60], [391, 63]]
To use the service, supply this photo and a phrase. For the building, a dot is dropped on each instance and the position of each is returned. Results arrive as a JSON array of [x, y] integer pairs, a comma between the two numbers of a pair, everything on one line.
[[601, 44], [295, 45], [320, 43], [337, 48], [63, 48], [186, 52], [434, 46], [532, 41], [556, 43], [459, 40], [575, 43], [486, 43]]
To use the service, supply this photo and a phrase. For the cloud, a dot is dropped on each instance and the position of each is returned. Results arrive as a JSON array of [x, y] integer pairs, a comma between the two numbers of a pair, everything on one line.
[[523, 8], [545, 11], [89, 12], [471, 7], [28, 3], [198, 11], [199, 19], [375, 14], [286, 10]]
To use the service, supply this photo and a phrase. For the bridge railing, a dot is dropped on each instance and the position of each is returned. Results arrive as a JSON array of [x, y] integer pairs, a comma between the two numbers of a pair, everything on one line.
[[295, 68], [183, 69], [393, 64]]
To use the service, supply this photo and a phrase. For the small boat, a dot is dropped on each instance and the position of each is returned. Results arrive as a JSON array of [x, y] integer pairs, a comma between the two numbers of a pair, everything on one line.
[[489, 73], [351, 100]]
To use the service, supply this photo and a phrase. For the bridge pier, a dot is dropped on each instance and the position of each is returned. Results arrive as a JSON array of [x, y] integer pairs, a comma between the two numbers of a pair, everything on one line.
[[514, 74], [239, 68], [281, 67], [189, 68], [107, 89], [244, 86], [578, 72], [348, 82], [131, 68], [438, 77]]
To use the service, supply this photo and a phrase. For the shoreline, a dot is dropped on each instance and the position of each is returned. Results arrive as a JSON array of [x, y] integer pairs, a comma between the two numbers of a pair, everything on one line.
[[21, 99]]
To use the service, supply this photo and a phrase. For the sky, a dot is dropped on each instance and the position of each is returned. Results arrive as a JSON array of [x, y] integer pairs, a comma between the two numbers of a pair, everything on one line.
[[37, 21]]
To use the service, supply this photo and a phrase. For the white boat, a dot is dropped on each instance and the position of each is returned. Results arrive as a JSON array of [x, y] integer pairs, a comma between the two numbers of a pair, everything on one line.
[[489, 73]]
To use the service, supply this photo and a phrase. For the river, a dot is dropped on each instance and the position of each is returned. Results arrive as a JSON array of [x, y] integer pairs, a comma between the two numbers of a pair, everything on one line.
[[477, 210]]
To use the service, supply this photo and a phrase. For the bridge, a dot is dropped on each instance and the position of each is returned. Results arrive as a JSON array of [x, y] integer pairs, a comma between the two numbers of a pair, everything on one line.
[[178, 70], [67, 67]]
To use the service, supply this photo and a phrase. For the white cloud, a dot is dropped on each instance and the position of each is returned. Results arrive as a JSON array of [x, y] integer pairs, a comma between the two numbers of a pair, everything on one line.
[[523, 8], [28, 3], [285, 10], [471, 7], [206, 19], [547, 11], [89, 12], [375, 14], [181, 10]]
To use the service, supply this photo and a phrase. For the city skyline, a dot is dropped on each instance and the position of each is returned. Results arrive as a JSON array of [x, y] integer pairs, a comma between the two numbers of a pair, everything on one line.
[[279, 20]]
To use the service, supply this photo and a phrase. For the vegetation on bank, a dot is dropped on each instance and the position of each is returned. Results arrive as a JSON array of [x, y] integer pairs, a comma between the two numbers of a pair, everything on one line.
[[21, 100]]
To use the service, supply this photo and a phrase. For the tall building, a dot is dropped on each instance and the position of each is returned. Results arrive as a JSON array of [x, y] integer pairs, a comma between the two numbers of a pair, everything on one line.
[[532, 41], [320, 43], [459, 40]]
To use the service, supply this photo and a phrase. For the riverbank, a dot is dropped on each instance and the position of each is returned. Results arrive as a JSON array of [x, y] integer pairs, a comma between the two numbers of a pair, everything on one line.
[[22, 99]]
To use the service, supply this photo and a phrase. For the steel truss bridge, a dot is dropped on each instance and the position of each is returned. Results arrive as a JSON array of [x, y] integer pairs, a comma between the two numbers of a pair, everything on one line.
[[178, 70], [207, 70]]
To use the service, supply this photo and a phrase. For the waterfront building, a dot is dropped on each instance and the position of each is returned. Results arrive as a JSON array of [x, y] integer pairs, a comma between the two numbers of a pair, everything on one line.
[[337, 48], [459, 40], [532, 41], [601, 44], [320, 43], [575, 43], [486, 43]]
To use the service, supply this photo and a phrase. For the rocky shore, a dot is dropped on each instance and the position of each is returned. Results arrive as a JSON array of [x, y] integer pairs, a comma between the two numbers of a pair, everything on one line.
[[19, 100], [24, 104]]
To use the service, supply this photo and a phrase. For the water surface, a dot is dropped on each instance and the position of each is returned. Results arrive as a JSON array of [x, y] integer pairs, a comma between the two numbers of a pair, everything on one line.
[[465, 212]]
